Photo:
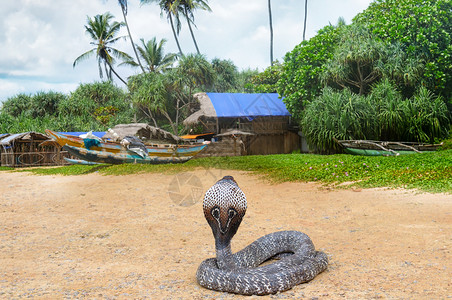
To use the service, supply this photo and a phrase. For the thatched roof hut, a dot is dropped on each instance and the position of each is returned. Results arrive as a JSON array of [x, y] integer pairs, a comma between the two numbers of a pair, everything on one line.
[[145, 132], [246, 123], [215, 108], [28, 149]]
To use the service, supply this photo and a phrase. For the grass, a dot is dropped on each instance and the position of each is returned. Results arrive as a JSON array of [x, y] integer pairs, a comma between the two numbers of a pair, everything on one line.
[[429, 172]]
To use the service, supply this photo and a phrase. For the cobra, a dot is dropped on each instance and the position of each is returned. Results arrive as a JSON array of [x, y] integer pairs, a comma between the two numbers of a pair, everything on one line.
[[224, 206]]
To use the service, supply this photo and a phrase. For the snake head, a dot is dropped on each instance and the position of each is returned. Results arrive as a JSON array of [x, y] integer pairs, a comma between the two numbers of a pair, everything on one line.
[[224, 206]]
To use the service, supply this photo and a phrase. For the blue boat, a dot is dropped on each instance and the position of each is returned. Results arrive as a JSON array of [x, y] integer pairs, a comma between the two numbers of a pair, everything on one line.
[[129, 156]]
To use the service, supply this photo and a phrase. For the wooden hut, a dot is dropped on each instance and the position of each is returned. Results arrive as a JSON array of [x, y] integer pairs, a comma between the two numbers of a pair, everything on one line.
[[245, 124], [30, 149]]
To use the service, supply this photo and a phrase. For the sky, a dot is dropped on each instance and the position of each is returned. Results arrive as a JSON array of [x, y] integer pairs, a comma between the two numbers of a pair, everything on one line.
[[40, 39]]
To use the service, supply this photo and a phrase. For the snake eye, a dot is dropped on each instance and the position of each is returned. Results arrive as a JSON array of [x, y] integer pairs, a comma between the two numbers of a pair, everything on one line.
[[231, 213], [215, 212]]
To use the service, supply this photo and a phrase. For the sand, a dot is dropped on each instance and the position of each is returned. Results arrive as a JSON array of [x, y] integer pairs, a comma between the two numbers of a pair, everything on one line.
[[143, 236]]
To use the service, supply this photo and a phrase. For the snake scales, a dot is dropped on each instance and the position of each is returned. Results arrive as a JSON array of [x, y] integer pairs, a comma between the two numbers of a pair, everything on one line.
[[224, 206]]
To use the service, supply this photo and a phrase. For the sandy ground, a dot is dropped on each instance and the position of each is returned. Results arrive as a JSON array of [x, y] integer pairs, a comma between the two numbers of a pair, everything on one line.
[[143, 236]]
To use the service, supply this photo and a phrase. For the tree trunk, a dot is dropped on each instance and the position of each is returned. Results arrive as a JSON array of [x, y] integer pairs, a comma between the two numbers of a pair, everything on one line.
[[305, 18], [167, 116], [271, 31], [191, 31], [114, 72], [131, 40], [175, 35]]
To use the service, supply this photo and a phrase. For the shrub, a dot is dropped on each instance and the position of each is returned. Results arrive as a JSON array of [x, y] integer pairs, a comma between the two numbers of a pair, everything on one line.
[[341, 115]]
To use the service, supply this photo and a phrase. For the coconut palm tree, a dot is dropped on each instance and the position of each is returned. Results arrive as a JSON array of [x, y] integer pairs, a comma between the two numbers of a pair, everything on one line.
[[103, 34], [153, 55], [123, 4], [305, 18], [271, 31], [172, 9], [188, 7]]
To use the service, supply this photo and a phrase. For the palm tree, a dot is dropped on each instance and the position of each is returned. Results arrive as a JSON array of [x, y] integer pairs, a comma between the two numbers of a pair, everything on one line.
[[188, 7], [123, 4], [103, 34], [271, 31], [197, 72], [172, 9], [152, 53], [305, 18]]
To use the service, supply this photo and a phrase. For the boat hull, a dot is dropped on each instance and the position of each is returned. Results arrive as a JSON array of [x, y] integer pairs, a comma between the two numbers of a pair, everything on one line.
[[164, 150], [121, 157], [380, 148], [373, 152]]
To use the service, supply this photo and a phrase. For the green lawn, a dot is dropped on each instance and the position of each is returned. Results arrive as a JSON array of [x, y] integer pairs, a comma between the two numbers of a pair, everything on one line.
[[430, 172]]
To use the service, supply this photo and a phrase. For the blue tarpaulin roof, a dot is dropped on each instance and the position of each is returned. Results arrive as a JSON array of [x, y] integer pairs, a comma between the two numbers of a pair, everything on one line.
[[247, 105], [96, 133]]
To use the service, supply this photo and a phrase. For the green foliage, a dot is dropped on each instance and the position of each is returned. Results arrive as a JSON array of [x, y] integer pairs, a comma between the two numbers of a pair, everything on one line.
[[6, 122], [15, 105], [78, 111], [383, 115], [149, 91], [30, 112], [226, 75], [360, 60], [104, 33], [38, 105], [342, 115], [46, 103], [390, 110], [266, 82], [300, 81], [197, 73], [244, 80], [427, 117], [424, 29], [354, 61], [153, 56], [160, 95]]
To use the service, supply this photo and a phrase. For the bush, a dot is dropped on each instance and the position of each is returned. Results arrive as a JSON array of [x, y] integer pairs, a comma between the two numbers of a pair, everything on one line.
[[341, 115], [95, 106], [426, 117], [15, 105]]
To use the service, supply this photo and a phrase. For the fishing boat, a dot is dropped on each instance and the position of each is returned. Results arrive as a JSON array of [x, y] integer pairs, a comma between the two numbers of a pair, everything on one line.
[[159, 150], [80, 162], [384, 148], [122, 157]]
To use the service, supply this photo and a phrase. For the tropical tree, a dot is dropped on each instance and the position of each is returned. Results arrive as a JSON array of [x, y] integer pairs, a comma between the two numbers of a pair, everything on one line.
[[271, 31], [188, 8], [355, 59], [123, 4], [266, 81], [360, 60], [197, 72], [160, 97], [172, 9], [94, 106], [226, 75], [423, 28], [153, 55], [103, 33], [300, 81]]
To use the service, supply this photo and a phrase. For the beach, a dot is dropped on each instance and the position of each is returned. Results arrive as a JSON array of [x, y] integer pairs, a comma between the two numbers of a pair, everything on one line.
[[143, 236]]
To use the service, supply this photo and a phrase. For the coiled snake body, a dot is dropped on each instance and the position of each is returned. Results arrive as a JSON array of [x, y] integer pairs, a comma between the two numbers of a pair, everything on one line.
[[224, 207]]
